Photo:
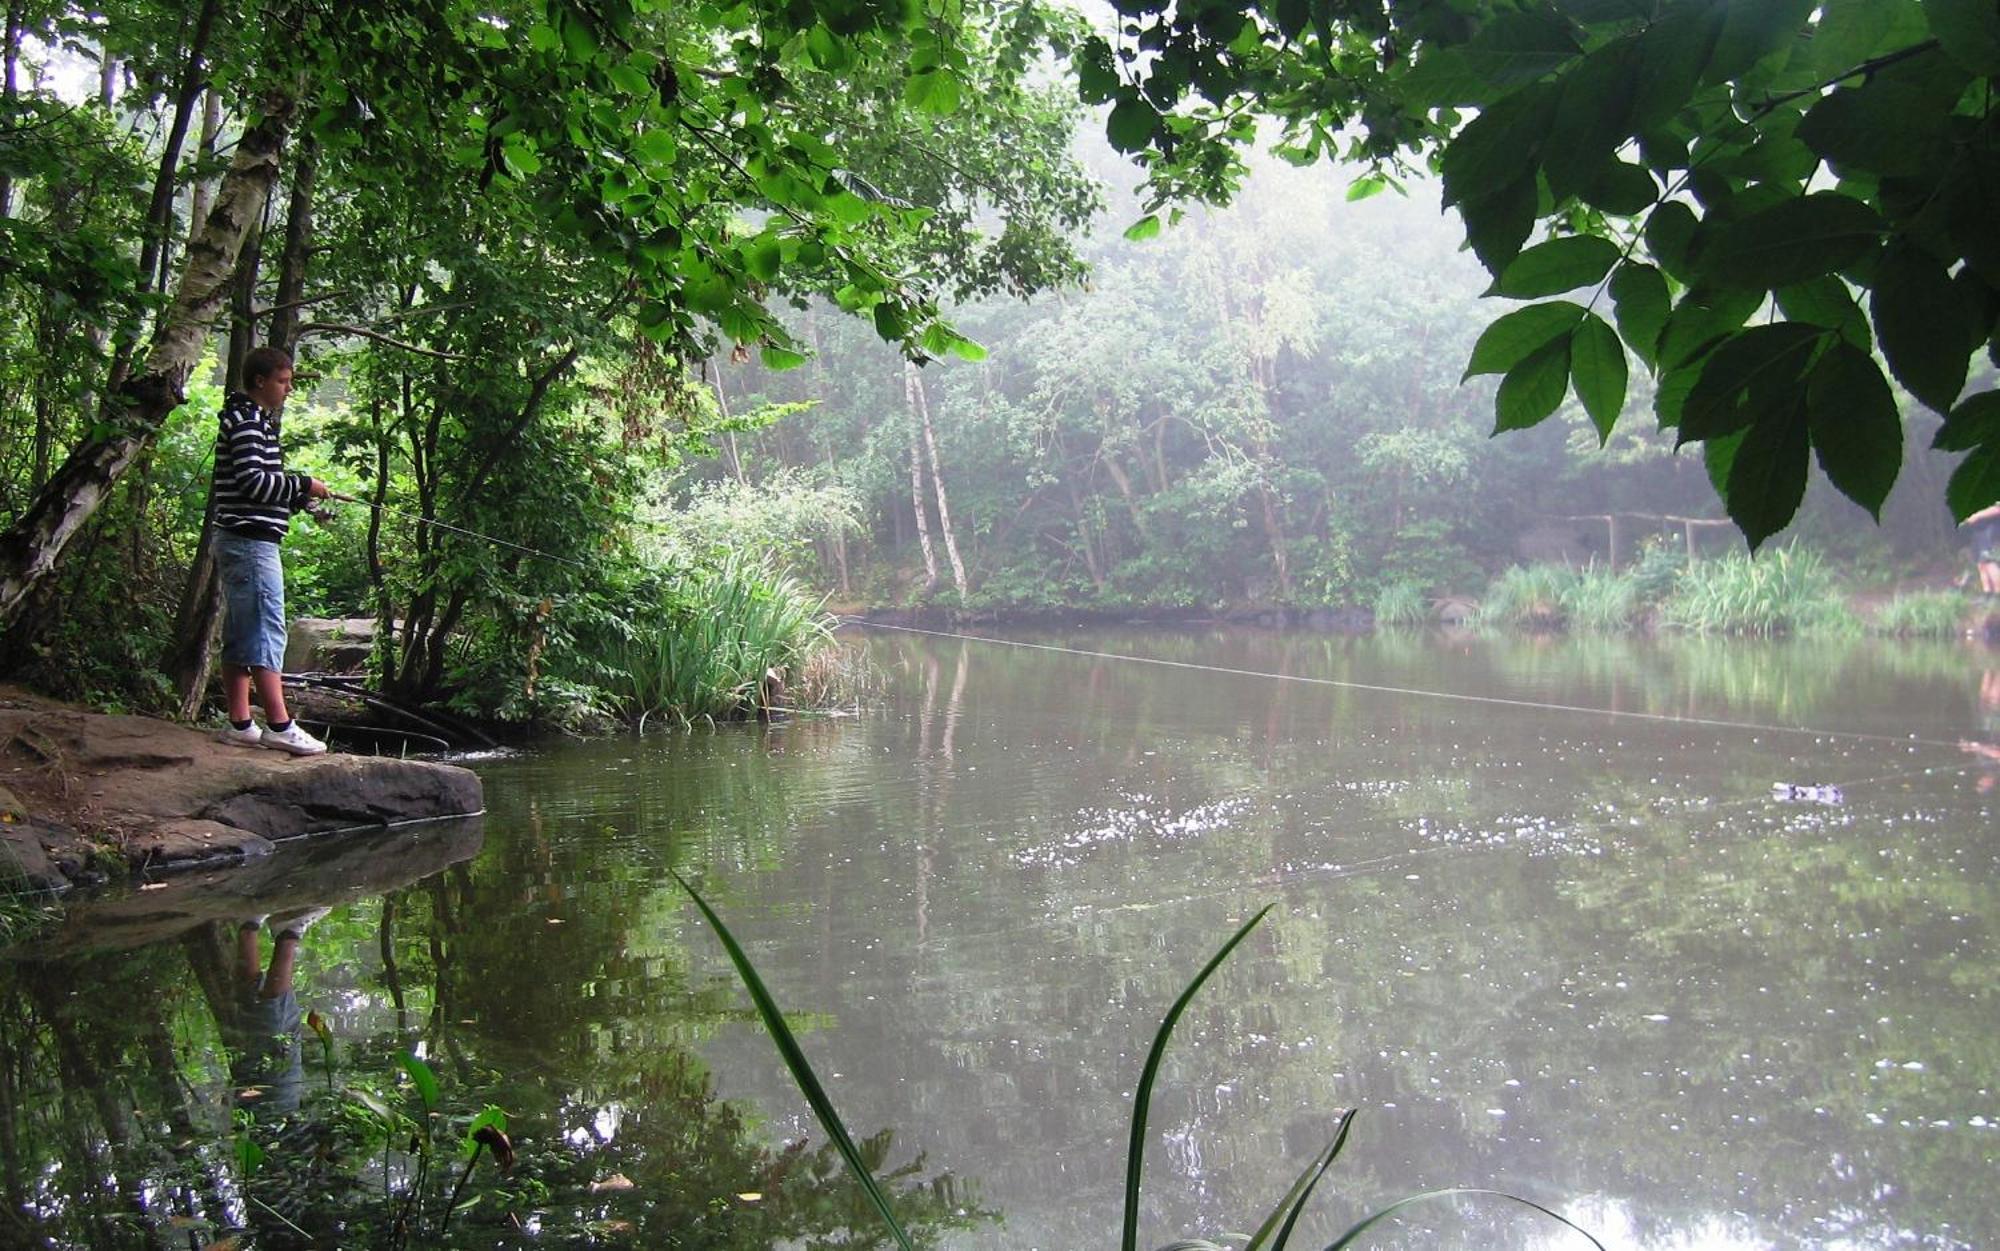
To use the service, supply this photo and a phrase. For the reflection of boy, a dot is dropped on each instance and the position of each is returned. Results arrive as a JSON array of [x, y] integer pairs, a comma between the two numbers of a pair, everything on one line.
[[262, 1021], [1986, 749]]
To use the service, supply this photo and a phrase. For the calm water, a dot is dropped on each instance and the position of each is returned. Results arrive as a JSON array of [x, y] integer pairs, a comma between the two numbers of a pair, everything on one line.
[[1588, 959]]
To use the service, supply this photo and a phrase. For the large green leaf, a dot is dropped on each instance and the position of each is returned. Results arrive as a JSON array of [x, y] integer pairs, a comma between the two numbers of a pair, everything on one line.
[[1597, 368], [1922, 325], [1969, 31], [1533, 389], [1363, 1226], [1512, 49], [1132, 124], [1851, 32], [1975, 484], [1495, 147], [1639, 297], [1792, 242], [1753, 30], [1974, 422], [935, 91], [1893, 123], [1672, 53], [1555, 266], [1827, 301], [1620, 188], [1767, 478], [1857, 431], [1700, 321], [1515, 337], [1593, 118], [1670, 233], [1749, 377], [1497, 225]]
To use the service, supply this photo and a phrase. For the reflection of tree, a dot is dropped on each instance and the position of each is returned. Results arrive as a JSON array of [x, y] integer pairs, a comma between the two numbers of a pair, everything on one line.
[[116, 1089]]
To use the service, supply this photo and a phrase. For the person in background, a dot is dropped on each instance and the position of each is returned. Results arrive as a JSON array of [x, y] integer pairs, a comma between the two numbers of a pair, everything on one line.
[[255, 497], [1983, 528]]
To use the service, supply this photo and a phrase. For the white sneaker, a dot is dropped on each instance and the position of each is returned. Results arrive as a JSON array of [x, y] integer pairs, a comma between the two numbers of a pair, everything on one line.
[[293, 739], [252, 737], [297, 923]]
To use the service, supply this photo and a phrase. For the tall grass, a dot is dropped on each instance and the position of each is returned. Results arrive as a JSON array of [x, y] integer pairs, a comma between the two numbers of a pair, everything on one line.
[[1401, 605], [1785, 590], [1272, 1234], [1601, 601], [1923, 614], [707, 654], [1526, 597]]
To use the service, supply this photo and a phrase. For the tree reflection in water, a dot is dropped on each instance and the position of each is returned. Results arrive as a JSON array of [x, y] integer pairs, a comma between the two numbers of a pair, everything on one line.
[[165, 1096]]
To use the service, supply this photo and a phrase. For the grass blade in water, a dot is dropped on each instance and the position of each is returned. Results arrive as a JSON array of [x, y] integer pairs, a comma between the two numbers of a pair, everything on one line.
[[1428, 1195], [1294, 1202], [1135, 1151], [795, 1060]]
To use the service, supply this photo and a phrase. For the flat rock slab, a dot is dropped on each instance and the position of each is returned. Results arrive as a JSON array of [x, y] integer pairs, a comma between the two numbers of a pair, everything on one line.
[[166, 796]]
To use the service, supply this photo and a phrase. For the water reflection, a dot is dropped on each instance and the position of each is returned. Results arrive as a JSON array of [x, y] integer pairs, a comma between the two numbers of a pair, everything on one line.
[[1587, 959]]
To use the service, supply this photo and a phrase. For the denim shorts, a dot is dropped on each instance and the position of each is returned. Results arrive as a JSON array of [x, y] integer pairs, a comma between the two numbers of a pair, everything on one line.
[[253, 602]]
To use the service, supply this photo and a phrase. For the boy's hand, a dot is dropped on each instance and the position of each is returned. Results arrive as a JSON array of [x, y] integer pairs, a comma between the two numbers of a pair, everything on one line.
[[317, 490]]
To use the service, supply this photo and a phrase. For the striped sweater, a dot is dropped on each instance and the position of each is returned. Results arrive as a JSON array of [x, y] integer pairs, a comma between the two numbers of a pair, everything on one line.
[[254, 494]]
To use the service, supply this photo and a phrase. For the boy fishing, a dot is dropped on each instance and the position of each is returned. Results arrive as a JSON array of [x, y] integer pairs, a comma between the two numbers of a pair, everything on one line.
[[255, 497]]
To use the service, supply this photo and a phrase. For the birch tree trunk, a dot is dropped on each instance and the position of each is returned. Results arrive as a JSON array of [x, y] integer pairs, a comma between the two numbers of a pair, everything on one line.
[[31, 547], [917, 483], [914, 382]]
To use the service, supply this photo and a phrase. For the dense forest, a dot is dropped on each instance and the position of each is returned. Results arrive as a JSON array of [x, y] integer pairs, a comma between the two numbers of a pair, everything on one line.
[[601, 307]]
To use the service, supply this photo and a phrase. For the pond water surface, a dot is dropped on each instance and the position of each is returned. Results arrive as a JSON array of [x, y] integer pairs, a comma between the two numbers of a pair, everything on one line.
[[1555, 935]]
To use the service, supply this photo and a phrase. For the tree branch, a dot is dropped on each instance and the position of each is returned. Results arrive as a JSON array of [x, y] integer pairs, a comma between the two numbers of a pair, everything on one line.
[[359, 332]]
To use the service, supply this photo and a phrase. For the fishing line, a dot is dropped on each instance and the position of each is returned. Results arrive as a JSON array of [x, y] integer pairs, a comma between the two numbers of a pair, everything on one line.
[[1421, 692], [446, 525]]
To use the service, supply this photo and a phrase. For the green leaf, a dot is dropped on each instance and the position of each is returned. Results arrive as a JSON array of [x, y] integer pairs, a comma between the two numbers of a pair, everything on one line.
[[1767, 477], [1792, 242], [1597, 368], [1851, 31], [1894, 123], [966, 349], [1142, 1095], [1555, 266], [1752, 31], [1828, 302], [1922, 326], [1592, 121], [1497, 225], [1639, 297], [1701, 320], [658, 149], [1377, 1218], [421, 1077], [1670, 235], [1366, 187], [1857, 431], [1975, 484], [1497, 147], [935, 91], [1969, 31], [795, 1059], [1512, 49], [1518, 335], [249, 1156], [1145, 228], [1718, 456], [780, 358], [1671, 54], [374, 1103], [1974, 422], [1620, 188], [1532, 389], [761, 258], [1276, 1231], [1132, 124], [1751, 375], [489, 1117]]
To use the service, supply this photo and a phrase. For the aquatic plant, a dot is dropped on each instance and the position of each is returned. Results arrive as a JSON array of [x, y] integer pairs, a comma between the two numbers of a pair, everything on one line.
[[1782, 590], [708, 651], [1271, 1235], [1527, 597], [1922, 614], [1401, 604]]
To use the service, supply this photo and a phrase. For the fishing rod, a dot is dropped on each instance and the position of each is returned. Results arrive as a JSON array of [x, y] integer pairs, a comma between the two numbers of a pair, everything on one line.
[[446, 525]]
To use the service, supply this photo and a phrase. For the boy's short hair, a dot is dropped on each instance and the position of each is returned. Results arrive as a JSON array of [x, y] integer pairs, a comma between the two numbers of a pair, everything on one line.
[[261, 363]]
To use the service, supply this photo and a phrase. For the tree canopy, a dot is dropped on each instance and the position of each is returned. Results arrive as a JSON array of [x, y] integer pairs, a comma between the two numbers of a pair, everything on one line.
[[1762, 201]]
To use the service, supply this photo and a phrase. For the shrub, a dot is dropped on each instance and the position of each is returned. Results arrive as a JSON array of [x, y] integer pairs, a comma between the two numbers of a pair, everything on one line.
[[1600, 600], [1786, 590], [1526, 596], [1922, 614]]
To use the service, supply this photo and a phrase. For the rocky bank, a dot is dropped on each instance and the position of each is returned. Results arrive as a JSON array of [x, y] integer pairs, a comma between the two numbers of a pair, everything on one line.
[[84, 794]]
